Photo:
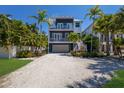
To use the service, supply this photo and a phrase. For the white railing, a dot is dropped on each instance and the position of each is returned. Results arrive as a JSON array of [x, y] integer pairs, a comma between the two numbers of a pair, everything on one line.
[[69, 28], [61, 28], [60, 39]]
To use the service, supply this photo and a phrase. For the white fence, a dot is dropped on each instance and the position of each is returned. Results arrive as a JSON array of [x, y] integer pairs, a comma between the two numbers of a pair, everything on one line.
[[5, 53], [11, 52]]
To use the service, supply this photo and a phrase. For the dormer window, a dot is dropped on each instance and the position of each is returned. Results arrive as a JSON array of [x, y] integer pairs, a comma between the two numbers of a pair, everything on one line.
[[77, 25]]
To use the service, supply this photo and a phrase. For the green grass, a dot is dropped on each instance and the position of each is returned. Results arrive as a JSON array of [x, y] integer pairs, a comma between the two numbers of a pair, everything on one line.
[[116, 82], [10, 65]]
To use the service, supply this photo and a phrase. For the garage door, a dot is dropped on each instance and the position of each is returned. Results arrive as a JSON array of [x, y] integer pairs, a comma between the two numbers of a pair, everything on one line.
[[60, 48]]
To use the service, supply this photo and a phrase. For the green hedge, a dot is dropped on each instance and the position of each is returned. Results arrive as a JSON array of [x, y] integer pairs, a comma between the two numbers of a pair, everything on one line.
[[86, 54], [26, 54]]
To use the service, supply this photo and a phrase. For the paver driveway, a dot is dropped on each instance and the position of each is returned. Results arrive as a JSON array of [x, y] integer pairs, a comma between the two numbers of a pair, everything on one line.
[[58, 70]]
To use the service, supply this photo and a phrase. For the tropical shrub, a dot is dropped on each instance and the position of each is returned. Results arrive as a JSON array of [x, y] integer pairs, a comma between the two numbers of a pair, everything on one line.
[[86, 54], [93, 54], [118, 41], [77, 53], [35, 54], [87, 40], [90, 54], [73, 37], [24, 54], [17, 33]]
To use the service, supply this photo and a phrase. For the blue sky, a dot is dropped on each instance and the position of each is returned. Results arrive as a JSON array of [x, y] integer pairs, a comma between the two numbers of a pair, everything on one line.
[[23, 12]]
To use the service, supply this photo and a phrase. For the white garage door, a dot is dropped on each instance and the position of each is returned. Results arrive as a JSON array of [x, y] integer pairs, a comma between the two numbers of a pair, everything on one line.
[[60, 48]]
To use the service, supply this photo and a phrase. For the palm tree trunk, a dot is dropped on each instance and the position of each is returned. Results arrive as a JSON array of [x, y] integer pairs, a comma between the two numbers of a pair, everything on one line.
[[39, 28], [91, 43], [107, 44], [91, 48], [114, 48], [8, 48]]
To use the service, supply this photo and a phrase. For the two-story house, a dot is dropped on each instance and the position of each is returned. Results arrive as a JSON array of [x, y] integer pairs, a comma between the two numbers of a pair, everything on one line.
[[102, 39], [58, 32]]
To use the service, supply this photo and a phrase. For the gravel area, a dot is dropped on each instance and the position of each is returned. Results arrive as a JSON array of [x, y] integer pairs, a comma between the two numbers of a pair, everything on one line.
[[59, 70]]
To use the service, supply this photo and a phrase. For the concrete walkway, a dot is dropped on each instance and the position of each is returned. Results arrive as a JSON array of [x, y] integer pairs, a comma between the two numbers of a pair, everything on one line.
[[59, 70]]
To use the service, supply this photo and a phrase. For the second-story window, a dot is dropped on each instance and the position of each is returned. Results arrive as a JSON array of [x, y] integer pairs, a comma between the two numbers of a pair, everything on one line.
[[77, 25], [64, 25], [68, 26], [59, 26]]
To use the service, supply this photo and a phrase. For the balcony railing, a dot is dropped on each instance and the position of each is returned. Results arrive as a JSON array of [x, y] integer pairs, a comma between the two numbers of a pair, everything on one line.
[[69, 28], [60, 39]]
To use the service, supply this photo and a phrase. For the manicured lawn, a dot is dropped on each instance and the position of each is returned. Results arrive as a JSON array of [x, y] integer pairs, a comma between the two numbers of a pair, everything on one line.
[[116, 82], [10, 65]]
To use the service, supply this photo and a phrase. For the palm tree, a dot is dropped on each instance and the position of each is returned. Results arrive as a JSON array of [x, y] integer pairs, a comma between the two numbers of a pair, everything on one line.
[[6, 32], [104, 26], [73, 37], [120, 20], [22, 34], [117, 25], [32, 27], [17, 28], [87, 40], [41, 18], [93, 14], [41, 41], [118, 42]]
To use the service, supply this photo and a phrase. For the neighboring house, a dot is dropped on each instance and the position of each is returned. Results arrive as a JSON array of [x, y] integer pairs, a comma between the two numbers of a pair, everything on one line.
[[102, 38], [58, 32]]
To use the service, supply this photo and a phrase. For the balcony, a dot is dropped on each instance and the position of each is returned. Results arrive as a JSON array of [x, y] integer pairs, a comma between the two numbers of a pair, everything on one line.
[[60, 39], [61, 28]]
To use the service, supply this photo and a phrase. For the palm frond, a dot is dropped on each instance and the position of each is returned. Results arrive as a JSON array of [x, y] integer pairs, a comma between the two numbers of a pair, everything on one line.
[[35, 17]]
